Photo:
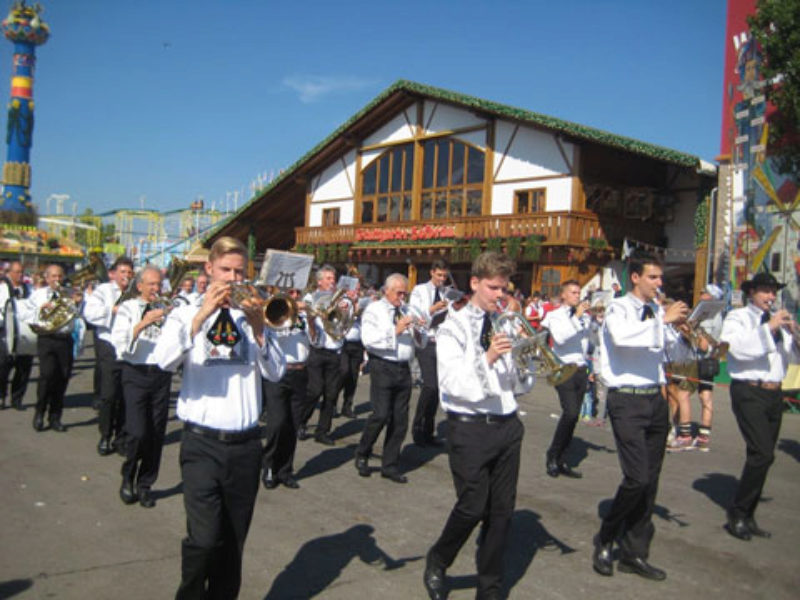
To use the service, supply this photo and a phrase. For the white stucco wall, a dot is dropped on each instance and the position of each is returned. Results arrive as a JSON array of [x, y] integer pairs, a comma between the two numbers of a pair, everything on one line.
[[397, 129], [532, 153], [336, 181], [443, 117], [558, 195]]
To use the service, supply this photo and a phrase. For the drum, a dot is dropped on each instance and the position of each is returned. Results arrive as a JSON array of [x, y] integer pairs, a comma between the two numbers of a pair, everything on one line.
[[20, 339]]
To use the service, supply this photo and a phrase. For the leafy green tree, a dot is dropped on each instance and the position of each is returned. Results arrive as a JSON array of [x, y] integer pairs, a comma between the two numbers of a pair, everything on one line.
[[776, 28]]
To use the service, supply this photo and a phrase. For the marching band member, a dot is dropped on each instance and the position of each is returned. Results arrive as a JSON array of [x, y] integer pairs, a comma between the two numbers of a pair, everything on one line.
[[286, 401], [352, 354], [478, 384], [145, 386], [324, 370], [633, 344], [761, 346], [389, 339], [428, 297], [15, 290], [707, 369], [54, 350], [224, 352], [569, 329]]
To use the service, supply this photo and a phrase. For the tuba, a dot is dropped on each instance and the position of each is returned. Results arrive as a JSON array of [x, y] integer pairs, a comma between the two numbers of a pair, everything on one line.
[[336, 310], [526, 344]]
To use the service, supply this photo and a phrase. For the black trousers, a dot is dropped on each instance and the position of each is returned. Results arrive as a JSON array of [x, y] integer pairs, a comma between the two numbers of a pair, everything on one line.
[[220, 484], [758, 413], [324, 373], [285, 403], [570, 395], [146, 390], [21, 365], [428, 401], [349, 363], [484, 462], [389, 393], [55, 367], [111, 418], [641, 425]]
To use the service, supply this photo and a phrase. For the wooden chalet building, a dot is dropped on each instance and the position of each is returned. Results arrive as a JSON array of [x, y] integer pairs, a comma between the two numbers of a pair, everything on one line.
[[422, 172]]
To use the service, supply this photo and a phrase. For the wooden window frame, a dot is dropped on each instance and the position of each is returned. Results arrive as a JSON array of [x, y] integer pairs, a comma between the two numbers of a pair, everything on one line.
[[450, 190], [332, 214], [386, 161], [531, 193]]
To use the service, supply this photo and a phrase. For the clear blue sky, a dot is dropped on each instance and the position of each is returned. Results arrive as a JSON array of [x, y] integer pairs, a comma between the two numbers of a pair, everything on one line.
[[174, 99]]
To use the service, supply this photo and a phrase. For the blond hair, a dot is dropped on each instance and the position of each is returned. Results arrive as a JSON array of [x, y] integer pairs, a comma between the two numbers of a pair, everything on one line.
[[226, 245]]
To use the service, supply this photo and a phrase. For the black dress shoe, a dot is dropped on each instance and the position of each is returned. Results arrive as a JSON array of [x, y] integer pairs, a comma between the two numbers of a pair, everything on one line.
[[737, 527], [145, 498], [38, 421], [349, 413], [324, 439], [567, 471], [268, 479], [57, 425], [552, 468], [434, 581], [641, 567], [394, 476], [126, 492], [755, 530], [302, 433], [362, 466], [104, 447], [290, 482], [602, 560]]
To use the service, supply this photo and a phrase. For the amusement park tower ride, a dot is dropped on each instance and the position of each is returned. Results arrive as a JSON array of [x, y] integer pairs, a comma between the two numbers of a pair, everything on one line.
[[24, 27]]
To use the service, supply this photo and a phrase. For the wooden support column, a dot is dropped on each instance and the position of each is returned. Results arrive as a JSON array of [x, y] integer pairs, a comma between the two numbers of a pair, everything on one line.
[[412, 276], [488, 167], [416, 184]]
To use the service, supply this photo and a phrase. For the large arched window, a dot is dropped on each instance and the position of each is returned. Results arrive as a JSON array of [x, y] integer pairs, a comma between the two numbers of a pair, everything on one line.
[[452, 179], [386, 186]]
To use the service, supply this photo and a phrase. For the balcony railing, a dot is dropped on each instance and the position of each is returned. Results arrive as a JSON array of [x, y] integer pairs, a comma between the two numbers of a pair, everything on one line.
[[557, 228]]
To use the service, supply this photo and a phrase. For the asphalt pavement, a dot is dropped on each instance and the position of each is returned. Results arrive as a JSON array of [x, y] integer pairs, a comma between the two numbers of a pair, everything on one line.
[[66, 534]]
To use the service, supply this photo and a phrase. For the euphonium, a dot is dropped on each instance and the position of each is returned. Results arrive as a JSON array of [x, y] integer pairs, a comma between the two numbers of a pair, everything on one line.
[[337, 311], [63, 310], [526, 343]]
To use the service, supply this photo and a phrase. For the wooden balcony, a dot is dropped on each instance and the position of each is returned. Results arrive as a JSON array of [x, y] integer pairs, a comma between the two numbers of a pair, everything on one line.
[[558, 229]]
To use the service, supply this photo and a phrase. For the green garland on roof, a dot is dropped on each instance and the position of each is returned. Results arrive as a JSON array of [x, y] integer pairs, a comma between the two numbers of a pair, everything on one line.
[[701, 223]]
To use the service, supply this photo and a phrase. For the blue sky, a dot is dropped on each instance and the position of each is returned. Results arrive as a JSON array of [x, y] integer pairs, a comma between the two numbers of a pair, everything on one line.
[[169, 100]]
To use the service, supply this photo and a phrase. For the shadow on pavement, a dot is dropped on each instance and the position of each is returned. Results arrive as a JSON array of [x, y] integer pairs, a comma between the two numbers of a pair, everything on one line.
[[718, 487], [528, 536], [166, 493], [579, 449], [14, 586], [662, 512], [350, 427], [327, 461], [413, 457], [790, 447], [319, 562]]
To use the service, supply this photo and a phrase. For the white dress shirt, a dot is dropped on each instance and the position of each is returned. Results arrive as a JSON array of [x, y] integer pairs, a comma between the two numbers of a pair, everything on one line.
[[379, 337], [221, 387], [98, 309], [467, 384], [28, 309], [422, 297], [633, 351], [753, 353], [139, 351], [294, 341], [570, 335]]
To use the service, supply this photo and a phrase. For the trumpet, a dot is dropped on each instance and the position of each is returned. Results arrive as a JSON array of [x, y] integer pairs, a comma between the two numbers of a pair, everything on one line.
[[526, 344], [418, 320], [790, 328]]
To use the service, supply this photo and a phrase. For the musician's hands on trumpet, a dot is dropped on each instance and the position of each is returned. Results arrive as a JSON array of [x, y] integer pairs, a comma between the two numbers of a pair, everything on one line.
[[676, 312]]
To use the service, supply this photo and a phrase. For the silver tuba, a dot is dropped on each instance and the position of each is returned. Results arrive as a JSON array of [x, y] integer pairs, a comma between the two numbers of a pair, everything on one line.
[[527, 344]]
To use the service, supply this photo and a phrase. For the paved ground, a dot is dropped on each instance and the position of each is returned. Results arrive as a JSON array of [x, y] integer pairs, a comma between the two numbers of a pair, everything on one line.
[[65, 533]]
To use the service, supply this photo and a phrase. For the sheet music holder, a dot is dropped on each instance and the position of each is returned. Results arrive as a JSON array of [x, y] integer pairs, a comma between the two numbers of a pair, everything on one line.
[[706, 309], [286, 270]]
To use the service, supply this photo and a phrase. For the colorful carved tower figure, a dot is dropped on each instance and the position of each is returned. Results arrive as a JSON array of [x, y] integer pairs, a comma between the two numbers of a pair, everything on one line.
[[24, 27]]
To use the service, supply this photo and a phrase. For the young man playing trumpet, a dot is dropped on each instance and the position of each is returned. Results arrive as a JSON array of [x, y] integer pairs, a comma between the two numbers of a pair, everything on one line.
[[569, 329], [100, 310], [478, 384], [224, 351], [762, 343], [145, 386]]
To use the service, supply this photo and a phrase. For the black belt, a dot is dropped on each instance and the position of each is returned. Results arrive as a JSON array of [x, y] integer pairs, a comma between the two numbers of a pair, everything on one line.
[[484, 418], [637, 390], [328, 350], [402, 363], [56, 336], [145, 368], [760, 383], [221, 435]]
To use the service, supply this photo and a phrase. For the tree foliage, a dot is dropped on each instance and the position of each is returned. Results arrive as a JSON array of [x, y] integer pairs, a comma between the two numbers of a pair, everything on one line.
[[776, 28]]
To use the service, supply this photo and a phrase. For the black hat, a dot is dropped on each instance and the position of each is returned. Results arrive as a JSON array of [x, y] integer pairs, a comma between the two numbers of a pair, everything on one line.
[[761, 280]]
